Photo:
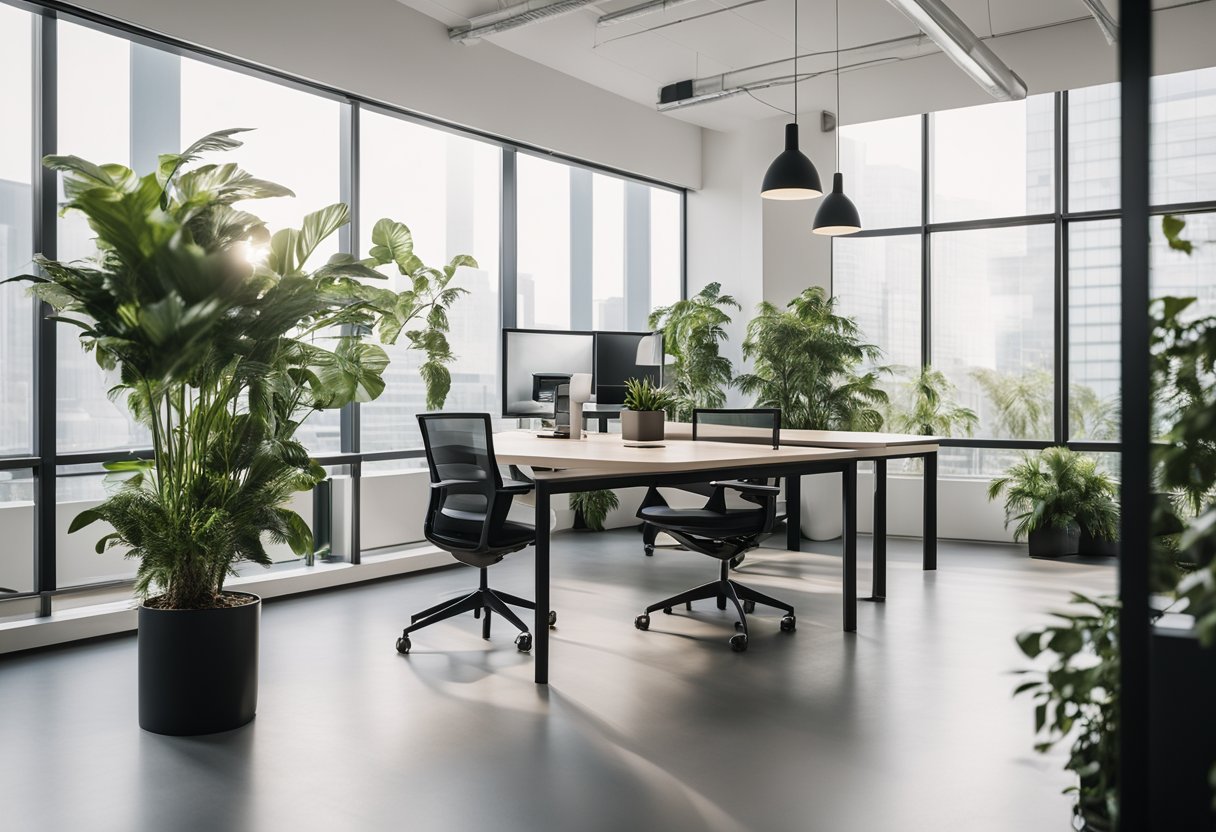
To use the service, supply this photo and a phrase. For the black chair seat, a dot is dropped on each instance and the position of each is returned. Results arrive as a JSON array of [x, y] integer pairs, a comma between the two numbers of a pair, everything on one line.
[[733, 521]]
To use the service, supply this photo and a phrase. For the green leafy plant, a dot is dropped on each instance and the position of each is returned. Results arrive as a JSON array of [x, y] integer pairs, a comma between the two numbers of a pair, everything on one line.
[[1023, 406], [1057, 488], [1076, 701], [807, 361], [641, 395], [924, 405], [223, 355], [693, 331], [593, 507]]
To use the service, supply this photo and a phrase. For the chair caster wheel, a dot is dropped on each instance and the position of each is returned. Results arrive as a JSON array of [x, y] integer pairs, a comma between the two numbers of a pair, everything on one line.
[[688, 606], [523, 642], [477, 612], [738, 642], [737, 560], [642, 622], [552, 618], [649, 550], [749, 607], [403, 645], [788, 624], [721, 603], [667, 610], [739, 625]]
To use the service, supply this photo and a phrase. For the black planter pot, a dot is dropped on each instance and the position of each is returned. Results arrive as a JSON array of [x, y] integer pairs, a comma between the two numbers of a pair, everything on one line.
[[1054, 541], [1182, 736], [198, 669], [1097, 546]]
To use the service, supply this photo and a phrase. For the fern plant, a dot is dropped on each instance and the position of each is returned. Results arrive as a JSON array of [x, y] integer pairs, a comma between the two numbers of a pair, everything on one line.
[[593, 507], [924, 405], [693, 332], [223, 358], [1059, 488], [807, 362]]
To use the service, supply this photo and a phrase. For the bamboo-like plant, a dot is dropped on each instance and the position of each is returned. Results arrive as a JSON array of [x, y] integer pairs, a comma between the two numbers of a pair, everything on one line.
[[222, 354], [693, 332], [924, 405], [807, 361]]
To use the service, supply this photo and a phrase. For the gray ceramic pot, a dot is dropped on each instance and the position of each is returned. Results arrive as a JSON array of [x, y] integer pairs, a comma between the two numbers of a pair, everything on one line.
[[642, 425]]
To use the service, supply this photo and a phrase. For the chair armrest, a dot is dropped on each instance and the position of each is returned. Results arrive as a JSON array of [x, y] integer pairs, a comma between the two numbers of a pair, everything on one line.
[[515, 487], [754, 488], [453, 483]]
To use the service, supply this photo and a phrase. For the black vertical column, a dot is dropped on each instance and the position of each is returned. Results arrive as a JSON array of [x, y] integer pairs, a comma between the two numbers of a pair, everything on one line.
[[348, 241], [1135, 70], [45, 207]]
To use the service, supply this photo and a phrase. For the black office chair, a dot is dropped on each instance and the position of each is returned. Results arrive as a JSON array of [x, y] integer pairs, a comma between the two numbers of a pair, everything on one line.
[[721, 532], [467, 517]]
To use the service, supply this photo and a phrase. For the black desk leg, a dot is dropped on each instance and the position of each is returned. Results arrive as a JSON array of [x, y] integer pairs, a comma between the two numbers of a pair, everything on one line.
[[850, 546], [603, 425], [793, 513], [879, 578], [540, 631], [930, 522]]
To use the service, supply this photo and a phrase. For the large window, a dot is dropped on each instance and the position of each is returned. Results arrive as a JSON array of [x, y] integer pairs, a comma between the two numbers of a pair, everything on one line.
[[1022, 274], [592, 248], [596, 251]]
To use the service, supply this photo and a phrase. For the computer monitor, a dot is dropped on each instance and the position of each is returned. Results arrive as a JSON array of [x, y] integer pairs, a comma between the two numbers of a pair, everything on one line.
[[534, 362], [616, 361]]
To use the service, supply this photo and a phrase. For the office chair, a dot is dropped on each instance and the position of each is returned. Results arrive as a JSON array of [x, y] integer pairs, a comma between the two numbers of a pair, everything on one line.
[[719, 532], [467, 517]]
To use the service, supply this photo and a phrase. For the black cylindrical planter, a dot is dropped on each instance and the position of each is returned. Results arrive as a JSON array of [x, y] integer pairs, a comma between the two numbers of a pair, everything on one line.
[[1054, 541], [198, 669]]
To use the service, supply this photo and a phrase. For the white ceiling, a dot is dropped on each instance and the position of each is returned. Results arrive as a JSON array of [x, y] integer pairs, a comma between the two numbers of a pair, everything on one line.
[[634, 59]]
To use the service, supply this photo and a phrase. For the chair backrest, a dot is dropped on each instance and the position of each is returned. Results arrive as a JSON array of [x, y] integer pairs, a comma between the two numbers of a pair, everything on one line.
[[460, 446], [754, 425]]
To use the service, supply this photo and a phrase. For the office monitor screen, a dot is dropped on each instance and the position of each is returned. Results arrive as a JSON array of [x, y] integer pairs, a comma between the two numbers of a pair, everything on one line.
[[534, 362], [616, 361]]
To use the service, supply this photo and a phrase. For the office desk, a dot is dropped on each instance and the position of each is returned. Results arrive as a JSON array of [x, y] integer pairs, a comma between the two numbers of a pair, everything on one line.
[[872, 447], [602, 461]]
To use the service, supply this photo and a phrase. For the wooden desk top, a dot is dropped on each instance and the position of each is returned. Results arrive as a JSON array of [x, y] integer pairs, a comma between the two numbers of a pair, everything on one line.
[[816, 438], [606, 453]]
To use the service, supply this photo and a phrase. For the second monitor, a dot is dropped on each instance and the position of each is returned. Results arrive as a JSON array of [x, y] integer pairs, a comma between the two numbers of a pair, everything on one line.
[[617, 360]]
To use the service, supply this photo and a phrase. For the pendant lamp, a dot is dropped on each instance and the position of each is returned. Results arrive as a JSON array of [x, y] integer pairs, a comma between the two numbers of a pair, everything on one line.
[[837, 215], [792, 175]]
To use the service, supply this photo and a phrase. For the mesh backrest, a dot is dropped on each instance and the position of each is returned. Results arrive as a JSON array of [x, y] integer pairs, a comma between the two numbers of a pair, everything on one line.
[[757, 425], [459, 447]]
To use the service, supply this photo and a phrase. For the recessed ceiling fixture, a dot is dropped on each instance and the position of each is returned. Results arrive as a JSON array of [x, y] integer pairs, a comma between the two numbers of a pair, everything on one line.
[[837, 215], [792, 175], [961, 45]]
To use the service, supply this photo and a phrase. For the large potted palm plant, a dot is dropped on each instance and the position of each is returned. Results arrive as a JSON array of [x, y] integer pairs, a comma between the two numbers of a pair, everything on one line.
[[224, 340], [693, 332], [808, 360]]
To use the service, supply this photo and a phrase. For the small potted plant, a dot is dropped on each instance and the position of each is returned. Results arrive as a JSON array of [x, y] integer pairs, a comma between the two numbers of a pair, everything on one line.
[[644, 416], [1043, 493], [591, 508]]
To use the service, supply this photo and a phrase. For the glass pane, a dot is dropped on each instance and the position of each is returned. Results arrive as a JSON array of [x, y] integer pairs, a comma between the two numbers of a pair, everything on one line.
[[881, 163], [544, 243], [77, 488], [446, 189], [1176, 273], [666, 247], [993, 316], [1184, 137], [295, 140], [608, 252], [877, 280], [16, 525], [95, 108], [994, 160], [16, 234], [1093, 330], [1093, 148]]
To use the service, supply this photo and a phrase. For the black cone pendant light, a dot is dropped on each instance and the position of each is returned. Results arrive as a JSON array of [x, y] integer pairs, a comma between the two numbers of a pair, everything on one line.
[[792, 175], [837, 215]]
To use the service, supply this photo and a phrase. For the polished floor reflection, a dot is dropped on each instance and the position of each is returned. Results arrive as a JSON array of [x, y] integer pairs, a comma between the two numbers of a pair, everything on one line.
[[906, 725]]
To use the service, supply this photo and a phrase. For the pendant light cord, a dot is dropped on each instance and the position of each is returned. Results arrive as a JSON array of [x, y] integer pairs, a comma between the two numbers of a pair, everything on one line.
[[838, 108], [796, 60]]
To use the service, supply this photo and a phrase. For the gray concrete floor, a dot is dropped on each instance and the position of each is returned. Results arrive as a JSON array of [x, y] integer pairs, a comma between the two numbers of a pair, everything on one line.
[[907, 724]]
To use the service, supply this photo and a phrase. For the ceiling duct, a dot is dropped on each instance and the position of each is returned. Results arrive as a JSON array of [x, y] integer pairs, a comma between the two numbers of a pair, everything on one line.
[[513, 17], [972, 55], [640, 10], [1110, 29]]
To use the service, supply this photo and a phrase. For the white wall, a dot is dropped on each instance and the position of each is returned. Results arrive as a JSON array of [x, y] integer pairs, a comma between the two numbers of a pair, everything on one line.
[[385, 51]]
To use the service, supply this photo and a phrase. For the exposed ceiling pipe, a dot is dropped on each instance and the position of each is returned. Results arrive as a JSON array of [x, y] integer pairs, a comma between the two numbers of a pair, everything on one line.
[[513, 17], [715, 87], [1110, 29], [640, 10], [963, 46]]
